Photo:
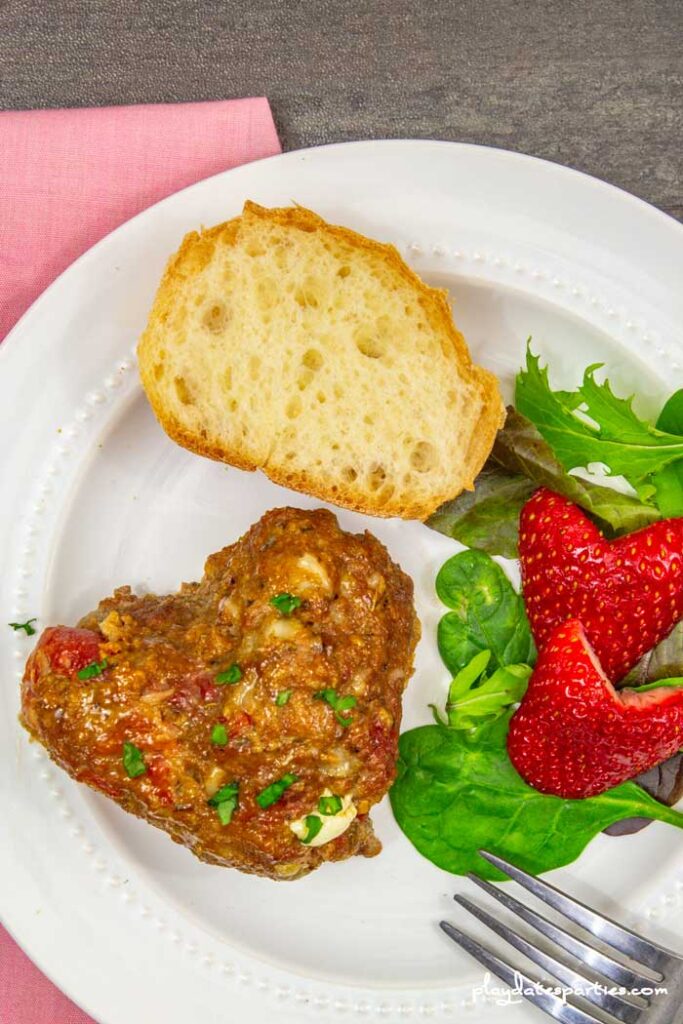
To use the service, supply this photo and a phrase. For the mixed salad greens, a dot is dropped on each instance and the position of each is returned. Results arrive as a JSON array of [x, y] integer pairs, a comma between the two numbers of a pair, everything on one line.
[[456, 791], [550, 434]]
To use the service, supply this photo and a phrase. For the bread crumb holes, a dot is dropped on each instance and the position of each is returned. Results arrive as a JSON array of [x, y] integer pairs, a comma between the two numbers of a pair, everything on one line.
[[369, 343], [182, 391], [312, 359], [215, 317], [423, 457], [377, 475]]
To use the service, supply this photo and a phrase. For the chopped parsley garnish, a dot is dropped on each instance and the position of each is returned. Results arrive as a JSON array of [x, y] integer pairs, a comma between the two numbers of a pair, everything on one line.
[[226, 810], [133, 761], [285, 603], [282, 698], [225, 802], [272, 793], [231, 675], [313, 826], [219, 735], [26, 626], [95, 668], [338, 704], [329, 805], [226, 792]]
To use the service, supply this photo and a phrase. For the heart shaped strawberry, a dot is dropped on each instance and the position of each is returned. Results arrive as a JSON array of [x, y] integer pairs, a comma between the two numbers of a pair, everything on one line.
[[574, 735], [628, 593]]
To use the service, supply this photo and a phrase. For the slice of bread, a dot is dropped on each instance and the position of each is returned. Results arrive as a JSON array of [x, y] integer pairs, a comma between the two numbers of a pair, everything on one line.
[[283, 343]]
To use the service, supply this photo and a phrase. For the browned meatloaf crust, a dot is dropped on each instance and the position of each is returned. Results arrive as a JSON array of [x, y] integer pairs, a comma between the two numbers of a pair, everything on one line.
[[150, 671]]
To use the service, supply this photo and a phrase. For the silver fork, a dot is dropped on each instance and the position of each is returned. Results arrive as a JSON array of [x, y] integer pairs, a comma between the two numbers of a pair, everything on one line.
[[623, 986]]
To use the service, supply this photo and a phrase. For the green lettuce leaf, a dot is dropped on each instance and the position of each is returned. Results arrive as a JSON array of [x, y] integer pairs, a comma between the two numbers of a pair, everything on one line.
[[488, 517], [668, 482], [520, 446], [613, 435], [672, 684], [473, 698], [468, 707]]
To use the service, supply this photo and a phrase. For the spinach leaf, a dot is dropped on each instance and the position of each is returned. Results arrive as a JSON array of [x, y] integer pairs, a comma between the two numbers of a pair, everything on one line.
[[487, 615], [457, 792], [486, 518], [612, 434], [668, 482], [474, 699]]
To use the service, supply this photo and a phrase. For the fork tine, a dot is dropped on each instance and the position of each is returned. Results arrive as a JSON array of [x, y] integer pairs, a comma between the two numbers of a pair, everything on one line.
[[615, 935], [531, 988], [598, 961], [619, 1008]]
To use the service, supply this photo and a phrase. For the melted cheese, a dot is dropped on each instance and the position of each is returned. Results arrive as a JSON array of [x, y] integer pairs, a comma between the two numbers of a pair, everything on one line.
[[314, 574], [334, 825]]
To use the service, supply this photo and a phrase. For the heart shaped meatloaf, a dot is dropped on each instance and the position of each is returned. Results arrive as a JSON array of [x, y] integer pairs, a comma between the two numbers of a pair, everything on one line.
[[253, 716]]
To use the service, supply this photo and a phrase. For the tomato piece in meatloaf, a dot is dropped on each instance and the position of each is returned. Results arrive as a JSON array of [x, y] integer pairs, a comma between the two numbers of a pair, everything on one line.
[[253, 716]]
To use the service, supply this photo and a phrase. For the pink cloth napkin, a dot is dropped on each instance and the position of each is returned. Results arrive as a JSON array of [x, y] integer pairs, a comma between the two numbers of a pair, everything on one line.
[[67, 178]]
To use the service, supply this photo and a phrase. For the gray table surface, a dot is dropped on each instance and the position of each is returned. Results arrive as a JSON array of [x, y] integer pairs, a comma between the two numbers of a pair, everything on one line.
[[595, 84]]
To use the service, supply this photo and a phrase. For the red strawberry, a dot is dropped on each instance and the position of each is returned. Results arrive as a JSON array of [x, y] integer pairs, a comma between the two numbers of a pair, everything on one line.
[[574, 735], [628, 593]]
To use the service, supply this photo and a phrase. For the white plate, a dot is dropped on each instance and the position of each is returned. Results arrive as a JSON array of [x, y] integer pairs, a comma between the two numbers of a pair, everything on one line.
[[94, 495]]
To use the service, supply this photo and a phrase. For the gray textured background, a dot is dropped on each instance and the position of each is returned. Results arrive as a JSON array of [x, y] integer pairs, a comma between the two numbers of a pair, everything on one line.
[[595, 84]]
